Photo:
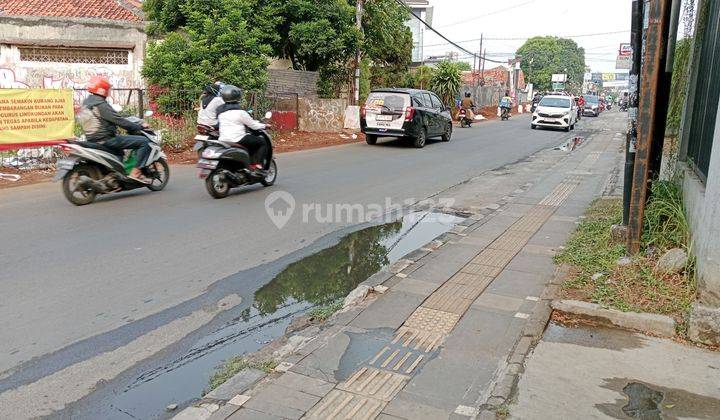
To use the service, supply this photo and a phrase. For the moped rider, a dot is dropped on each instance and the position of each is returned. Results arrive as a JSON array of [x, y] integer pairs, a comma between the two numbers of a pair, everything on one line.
[[210, 101], [234, 123], [100, 122], [469, 106]]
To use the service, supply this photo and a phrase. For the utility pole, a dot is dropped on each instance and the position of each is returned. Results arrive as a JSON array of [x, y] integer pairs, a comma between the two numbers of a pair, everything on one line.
[[481, 59], [482, 69], [634, 88], [358, 25], [650, 118]]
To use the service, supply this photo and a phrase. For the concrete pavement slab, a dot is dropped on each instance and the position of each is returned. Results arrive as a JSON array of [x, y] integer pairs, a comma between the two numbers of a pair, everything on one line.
[[305, 384], [519, 283], [389, 312], [602, 373], [414, 286]]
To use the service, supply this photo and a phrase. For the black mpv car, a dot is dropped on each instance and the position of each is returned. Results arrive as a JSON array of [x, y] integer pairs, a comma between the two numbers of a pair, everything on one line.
[[405, 113]]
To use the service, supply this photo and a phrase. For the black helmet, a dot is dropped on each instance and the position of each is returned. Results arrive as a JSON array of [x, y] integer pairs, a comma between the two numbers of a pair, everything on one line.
[[467, 94], [231, 94]]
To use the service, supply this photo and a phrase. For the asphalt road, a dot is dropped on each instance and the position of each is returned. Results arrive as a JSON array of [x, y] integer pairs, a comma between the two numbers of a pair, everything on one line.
[[72, 273]]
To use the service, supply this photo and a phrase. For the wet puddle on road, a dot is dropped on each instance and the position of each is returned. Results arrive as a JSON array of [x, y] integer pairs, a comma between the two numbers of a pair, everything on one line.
[[314, 280]]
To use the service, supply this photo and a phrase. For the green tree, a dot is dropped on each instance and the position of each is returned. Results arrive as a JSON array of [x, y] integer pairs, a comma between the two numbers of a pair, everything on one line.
[[421, 76], [542, 56], [446, 81], [230, 44], [464, 66]]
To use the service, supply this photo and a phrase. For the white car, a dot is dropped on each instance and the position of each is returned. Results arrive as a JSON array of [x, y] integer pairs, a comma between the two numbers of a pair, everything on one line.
[[557, 111]]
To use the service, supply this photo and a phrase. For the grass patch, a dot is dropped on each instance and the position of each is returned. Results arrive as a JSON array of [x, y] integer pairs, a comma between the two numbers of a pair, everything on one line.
[[323, 312], [234, 366], [634, 287]]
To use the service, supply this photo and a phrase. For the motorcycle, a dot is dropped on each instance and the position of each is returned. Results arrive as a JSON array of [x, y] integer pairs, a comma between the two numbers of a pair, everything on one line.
[[504, 114], [465, 121], [92, 168], [609, 106], [224, 165], [623, 106], [204, 133]]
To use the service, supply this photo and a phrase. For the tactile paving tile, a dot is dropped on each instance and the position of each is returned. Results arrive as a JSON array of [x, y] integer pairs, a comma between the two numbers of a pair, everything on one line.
[[417, 340], [454, 297], [467, 278], [404, 359], [426, 319], [481, 270], [511, 240], [529, 224], [493, 257], [374, 383], [559, 194], [345, 405]]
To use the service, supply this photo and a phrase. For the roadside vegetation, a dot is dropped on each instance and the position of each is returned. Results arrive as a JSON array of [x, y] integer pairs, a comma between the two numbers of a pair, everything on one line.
[[323, 312], [596, 275], [234, 366]]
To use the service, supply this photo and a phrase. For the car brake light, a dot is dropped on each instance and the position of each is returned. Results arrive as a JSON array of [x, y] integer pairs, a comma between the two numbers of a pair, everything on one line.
[[409, 113], [362, 111], [65, 148]]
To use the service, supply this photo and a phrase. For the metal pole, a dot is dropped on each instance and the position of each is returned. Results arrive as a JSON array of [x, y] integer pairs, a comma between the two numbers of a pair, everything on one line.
[[358, 25], [649, 117], [481, 59], [631, 137], [141, 110]]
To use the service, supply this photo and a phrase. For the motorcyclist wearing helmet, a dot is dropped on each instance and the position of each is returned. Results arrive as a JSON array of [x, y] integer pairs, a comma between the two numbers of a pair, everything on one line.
[[234, 122], [100, 122], [210, 101], [468, 105]]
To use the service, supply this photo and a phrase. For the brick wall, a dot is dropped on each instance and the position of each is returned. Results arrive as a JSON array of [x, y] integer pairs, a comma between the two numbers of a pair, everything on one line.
[[304, 83]]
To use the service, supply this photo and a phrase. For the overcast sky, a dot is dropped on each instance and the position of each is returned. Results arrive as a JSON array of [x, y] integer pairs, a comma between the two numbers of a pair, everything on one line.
[[499, 20]]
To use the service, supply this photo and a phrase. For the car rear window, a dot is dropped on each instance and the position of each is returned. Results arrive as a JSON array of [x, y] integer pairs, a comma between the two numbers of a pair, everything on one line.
[[389, 101], [555, 102]]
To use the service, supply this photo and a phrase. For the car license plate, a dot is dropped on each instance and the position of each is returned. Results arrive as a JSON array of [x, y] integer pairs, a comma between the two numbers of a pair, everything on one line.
[[201, 137], [384, 118]]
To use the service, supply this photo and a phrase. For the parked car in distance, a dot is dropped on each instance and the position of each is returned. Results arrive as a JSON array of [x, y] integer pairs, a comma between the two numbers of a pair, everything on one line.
[[558, 111], [405, 113], [592, 105]]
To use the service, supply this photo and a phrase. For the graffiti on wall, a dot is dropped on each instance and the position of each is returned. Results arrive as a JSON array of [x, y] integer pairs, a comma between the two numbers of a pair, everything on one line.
[[322, 115], [67, 78]]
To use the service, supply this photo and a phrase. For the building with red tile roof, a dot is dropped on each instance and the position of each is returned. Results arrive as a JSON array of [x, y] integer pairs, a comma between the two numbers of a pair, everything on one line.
[[62, 43], [93, 9]]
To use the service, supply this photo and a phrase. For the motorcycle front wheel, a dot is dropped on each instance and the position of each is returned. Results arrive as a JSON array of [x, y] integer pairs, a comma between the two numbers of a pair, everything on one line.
[[271, 174], [72, 189], [160, 174], [217, 185]]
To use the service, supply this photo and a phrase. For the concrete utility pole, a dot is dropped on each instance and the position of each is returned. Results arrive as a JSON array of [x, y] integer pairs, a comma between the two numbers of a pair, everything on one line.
[[481, 59], [651, 114], [358, 25]]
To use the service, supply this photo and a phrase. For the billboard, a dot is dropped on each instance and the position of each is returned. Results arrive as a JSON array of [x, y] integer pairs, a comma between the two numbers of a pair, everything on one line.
[[32, 117], [623, 62], [560, 78]]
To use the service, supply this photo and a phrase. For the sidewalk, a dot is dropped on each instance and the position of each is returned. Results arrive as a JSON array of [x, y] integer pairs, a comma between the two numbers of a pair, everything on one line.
[[451, 332]]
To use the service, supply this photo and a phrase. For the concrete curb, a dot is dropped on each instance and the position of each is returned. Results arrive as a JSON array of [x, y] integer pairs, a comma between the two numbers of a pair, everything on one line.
[[657, 325]]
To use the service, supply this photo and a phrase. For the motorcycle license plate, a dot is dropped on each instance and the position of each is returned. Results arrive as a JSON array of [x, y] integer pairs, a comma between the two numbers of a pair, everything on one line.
[[65, 164], [207, 164], [201, 137], [384, 118]]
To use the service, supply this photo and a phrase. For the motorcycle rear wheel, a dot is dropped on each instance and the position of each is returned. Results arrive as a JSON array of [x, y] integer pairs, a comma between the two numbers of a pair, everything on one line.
[[72, 191], [216, 184]]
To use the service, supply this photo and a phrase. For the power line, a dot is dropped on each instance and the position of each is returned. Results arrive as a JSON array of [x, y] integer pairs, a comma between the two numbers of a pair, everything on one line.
[[488, 14], [525, 39], [439, 34]]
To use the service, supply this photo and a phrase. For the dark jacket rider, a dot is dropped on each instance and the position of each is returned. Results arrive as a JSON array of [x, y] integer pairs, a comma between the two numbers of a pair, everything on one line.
[[100, 122]]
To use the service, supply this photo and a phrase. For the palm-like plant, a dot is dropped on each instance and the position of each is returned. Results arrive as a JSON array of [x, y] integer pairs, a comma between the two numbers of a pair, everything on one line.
[[446, 81]]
